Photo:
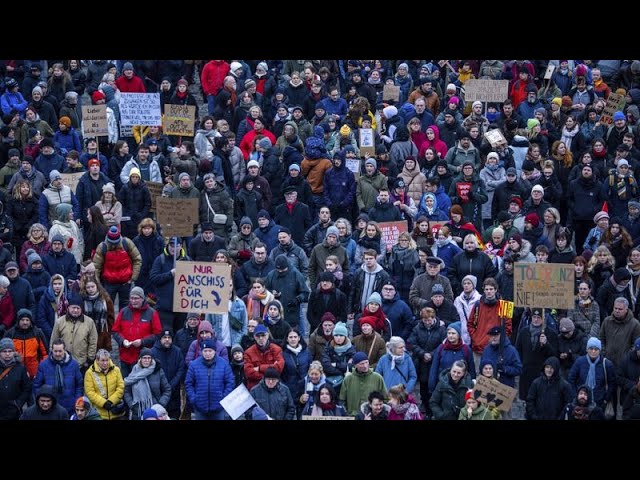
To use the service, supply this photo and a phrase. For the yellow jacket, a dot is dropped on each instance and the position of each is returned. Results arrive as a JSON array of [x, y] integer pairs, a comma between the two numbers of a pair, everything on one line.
[[111, 383]]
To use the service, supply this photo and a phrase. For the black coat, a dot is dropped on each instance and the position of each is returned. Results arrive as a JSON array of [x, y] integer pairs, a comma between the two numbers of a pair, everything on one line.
[[533, 356], [547, 397], [15, 390], [424, 340], [298, 221], [320, 303]]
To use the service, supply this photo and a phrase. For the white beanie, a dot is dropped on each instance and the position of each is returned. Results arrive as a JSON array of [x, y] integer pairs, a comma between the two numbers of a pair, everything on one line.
[[390, 111], [234, 66]]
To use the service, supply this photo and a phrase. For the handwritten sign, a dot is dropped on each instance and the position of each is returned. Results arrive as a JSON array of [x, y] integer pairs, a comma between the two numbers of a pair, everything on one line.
[[140, 109], [179, 120], [353, 165], [177, 216], [367, 144], [491, 392], [486, 90], [71, 180], [94, 120], [155, 190], [237, 402], [126, 131], [463, 189], [615, 103], [391, 231], [391, 92], [202, 287], [330, 417], [545, 285], [495, 137]]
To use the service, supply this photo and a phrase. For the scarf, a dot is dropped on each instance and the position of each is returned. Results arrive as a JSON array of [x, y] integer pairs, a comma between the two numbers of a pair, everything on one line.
[[295, 350], [535, 334], [338, 274], [447, 345], [9, 363], [58, 381], [374, 81], [326, 291], [410, 411], [137, 379], [291, 206], [340, 349], [567, 136], [96, 308], [591, 375], [394, 359], [181, 95], [255, 299], [584, 303], [488, 302], [61, 304], [270, 321]]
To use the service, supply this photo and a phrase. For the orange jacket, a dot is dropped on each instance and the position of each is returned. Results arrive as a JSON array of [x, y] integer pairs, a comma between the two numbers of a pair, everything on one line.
[[478, 325], [253, 357], [31, 345]]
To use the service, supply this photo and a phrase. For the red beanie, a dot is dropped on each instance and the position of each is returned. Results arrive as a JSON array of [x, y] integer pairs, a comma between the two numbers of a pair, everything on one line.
[[373, 321], [533, 219], [97, 96]]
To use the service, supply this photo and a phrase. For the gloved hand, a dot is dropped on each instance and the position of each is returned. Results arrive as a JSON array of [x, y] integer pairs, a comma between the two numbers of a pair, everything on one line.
[[500, 368], [108, 405], [244, 254], [293, 303]]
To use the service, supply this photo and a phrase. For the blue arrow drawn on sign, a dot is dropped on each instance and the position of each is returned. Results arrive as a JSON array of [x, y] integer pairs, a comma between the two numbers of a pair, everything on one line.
[[216, 297]]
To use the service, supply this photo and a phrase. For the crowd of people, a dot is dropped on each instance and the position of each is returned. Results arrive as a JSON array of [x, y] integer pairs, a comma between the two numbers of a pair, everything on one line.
[[295, 165]]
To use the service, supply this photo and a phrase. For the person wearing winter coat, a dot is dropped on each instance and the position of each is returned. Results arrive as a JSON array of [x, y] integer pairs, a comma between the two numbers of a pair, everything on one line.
[[62, 372], [449, 351], [369, 186], [53, 304], [274, 397], [136, 202], [474, 409], [147, 166], [297, 361], [549, 393], [78, 332], [596, 372], [583, 406], [149, 244], [64, 226], [209, 379], [33, 177], [15, 385], [468, 191], [28, 341], [618, 331], [396, 367], [572, 342], [230, 327], [104, 386], [448, 397], [146, 385], [46, 407]]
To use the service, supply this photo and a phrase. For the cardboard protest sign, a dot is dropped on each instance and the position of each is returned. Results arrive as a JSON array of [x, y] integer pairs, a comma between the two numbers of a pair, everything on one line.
[[177, 216], [201, 287], [495, 137], [486, 90], [391, 231], [391, 92], [545, 285], [549, 72], [490, 391], [155, 190], [615, 103], [353, 164], [309, 417], [367, 144], [71, 180], [179, 120], [140, 109], [237, 402], [94, 121], [126, 131]]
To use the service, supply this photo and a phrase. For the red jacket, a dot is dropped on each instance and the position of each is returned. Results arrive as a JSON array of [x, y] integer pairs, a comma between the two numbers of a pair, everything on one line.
[[132, 324], [135, 85], [7, 312], [212, 76], [253, 357], [479, 325]]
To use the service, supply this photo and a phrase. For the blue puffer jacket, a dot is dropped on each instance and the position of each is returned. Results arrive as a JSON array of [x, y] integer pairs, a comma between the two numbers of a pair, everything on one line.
[[67, 141], [400, 316], [73, 381], [268, 235], [207, 385], [63, 263]]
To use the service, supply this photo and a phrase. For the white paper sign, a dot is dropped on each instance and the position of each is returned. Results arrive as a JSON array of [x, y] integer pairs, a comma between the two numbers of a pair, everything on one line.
[[237, 402], [140, 109]]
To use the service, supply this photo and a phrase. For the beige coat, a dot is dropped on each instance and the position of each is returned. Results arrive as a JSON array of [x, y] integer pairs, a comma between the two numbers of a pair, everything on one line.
[[80, 338]]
